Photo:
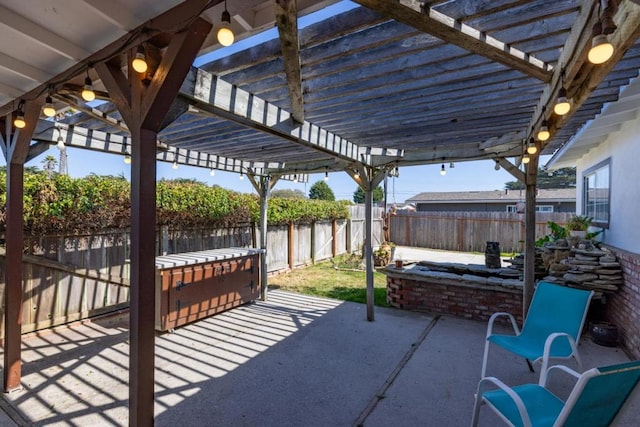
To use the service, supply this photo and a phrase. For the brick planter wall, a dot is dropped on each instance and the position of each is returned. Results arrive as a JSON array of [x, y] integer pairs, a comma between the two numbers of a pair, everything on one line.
[[623, 307], [462, 296]]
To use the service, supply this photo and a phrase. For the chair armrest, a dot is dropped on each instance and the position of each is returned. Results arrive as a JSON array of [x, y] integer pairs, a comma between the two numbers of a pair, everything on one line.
[[547, 351], [522, 409], [493, 318], [561, 368]]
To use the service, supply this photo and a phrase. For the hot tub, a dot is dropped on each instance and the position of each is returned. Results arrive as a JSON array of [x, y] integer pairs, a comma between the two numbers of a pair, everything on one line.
[[193, 285]]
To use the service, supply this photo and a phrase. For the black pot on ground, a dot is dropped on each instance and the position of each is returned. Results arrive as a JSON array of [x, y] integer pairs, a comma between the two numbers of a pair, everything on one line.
[[604, 333]]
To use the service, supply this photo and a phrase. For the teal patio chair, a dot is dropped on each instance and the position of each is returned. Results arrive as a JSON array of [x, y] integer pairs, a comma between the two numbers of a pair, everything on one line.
[[551, 330], [596, 399]]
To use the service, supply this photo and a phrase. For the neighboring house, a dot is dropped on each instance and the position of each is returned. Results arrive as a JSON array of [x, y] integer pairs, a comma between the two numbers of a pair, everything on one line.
[[605, 153], [551, 200]]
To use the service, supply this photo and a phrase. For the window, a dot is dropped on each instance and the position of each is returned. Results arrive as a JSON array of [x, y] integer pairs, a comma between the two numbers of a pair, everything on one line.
[[595, 200], [539, 208], [544, 208]]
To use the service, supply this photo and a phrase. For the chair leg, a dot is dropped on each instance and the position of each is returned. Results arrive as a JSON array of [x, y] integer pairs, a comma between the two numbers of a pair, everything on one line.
[[530, 365], [476, 410]]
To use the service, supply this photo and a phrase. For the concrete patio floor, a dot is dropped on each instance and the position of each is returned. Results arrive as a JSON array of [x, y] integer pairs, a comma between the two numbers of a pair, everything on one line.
[[290, 361]]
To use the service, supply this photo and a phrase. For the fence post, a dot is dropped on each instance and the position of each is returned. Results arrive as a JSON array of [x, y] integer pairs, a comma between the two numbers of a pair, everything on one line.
[[291, 247], [313, 242], [334, 238], [348, 236]]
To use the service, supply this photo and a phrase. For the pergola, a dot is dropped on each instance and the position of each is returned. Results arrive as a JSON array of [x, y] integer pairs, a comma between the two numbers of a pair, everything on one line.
[[383, 85]]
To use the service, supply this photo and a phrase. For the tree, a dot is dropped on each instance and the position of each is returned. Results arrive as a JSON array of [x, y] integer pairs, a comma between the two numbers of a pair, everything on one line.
[[321, 191], [288, 194], [378, 195], [49, 165], [560, 178]]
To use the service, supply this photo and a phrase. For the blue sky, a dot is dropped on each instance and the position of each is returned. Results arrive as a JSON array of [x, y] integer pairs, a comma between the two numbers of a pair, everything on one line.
[[468, 176]]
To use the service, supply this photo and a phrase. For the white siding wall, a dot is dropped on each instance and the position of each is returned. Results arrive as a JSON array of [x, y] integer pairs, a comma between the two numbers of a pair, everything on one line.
[[624, 150]]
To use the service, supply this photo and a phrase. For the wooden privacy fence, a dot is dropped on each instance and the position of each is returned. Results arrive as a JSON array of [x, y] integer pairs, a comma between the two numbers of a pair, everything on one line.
[[467, 231], [67, 278]]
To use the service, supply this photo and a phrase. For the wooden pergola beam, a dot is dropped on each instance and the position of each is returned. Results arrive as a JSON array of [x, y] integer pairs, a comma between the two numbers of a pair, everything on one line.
[[430, 21], [287, 22]]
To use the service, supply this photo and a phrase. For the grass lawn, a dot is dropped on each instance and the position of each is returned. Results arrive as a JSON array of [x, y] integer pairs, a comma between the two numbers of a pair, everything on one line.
[[325, 280]]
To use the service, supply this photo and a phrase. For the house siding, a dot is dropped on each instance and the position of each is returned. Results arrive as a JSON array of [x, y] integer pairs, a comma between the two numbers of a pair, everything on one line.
[[487, 207], [623, 150], [623, 233]]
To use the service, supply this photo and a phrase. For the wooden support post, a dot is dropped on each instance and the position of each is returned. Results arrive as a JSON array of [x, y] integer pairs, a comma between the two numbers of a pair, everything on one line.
[[265, 189], [13, 277], [368, 250], [143, 106], [142, 311], [530, 235], [15, 146]]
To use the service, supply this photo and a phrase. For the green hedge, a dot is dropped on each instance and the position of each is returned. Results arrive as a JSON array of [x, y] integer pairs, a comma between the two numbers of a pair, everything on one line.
[[60, 204]]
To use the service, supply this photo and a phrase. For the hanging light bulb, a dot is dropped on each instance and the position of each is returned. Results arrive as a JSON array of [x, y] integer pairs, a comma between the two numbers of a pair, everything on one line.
[[563, 106], [543, 132], [525, 158], [87, 91], [531, 147], [357, 173], [443, 171], [497, 166], [60, 143], [48, 108], [19, 121], [139, 62], [127, 159], [175, 165], [326, 175], [213, 172], [225, 35], [241, 175], [601, 48], [452, 165]]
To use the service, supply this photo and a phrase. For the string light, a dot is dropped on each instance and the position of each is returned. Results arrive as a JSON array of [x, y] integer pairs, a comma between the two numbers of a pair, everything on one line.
[[225, 35], [326, 174], [497, 166], [19, 121], [139, 62], [531, 147], [175, 165], [213, 172], [525, 158], [60, 143], [543, 133], [48, 108], [443, 171], [241, 175], [563, 106], [87, 91]]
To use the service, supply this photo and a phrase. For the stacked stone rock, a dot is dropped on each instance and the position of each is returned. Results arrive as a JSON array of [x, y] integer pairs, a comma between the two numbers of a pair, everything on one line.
[[517, 264], [587, 267]]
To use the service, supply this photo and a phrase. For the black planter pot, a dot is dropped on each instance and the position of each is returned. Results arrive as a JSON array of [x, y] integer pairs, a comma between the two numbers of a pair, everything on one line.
[[604, 333]]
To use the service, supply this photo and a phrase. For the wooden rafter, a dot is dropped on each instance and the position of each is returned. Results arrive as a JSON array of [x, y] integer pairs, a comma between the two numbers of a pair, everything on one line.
[[287, 21], [215, 96], [452, 31]]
